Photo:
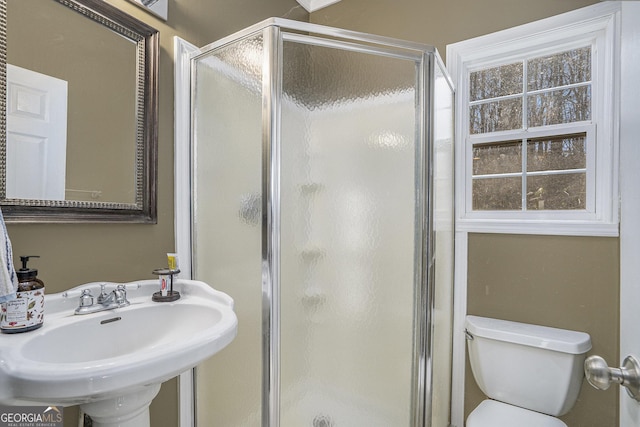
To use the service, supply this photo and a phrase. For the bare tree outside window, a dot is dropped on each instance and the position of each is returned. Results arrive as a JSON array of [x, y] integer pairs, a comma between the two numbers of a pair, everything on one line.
[[523, 173]]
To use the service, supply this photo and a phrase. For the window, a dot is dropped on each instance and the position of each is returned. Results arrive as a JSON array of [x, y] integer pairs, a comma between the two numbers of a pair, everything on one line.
[[536, 127], [512, 171], [549, 171]]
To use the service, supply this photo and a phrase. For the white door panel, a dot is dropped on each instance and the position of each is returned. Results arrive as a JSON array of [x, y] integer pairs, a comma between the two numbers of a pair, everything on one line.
[[36, 135], [630, 201]]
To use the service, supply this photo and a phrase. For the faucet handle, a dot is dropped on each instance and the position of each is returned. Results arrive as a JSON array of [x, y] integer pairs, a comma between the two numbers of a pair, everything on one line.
[[103, 295], [121, 294], [86, 299]]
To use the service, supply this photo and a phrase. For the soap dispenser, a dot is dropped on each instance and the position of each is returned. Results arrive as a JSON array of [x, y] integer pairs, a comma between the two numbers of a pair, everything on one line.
[[26, 312]]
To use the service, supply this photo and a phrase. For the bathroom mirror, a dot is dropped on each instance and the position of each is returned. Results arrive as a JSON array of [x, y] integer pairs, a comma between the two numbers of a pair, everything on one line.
[[78, 113]]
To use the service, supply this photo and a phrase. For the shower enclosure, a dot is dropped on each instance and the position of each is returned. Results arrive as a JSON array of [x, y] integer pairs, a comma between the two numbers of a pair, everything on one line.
[[320, 198]]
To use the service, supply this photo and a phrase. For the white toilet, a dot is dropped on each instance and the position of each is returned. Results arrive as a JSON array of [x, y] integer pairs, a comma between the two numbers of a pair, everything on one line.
[[531, 373]]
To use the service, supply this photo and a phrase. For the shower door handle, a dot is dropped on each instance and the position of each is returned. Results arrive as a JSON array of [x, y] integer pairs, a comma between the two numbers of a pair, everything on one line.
[[600, 375]]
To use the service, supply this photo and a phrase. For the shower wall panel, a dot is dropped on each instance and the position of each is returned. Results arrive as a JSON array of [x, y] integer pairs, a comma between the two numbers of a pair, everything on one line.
[[227, 232], [443, 229]]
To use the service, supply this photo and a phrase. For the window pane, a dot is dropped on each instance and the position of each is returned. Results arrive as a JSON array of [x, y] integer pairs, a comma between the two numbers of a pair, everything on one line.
[[495, 116], [557, 192], [560, 69], [495, 82], [493, 194], [560, 106], [557, 153], [504, 157]]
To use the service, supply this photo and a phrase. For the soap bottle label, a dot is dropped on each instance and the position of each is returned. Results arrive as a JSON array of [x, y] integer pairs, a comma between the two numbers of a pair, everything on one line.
[[16, 311], [26, 312]]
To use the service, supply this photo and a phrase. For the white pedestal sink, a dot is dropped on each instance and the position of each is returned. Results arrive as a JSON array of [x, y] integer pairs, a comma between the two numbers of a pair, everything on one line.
[[113, 362]]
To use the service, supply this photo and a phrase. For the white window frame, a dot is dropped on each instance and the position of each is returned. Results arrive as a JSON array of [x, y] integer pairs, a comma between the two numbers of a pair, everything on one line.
[[594, 25]]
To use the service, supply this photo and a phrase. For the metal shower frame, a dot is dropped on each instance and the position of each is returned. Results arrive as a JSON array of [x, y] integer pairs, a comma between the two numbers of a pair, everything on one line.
[[274, 32]]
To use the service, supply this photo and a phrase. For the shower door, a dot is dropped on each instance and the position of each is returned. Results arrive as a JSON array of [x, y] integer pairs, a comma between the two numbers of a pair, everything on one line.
[[312, 207], [348, 232]]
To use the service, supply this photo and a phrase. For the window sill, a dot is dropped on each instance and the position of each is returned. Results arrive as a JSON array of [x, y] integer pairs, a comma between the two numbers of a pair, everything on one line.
[[543, 227]]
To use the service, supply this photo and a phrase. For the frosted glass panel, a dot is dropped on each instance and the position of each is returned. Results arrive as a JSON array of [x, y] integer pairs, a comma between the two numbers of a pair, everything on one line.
[[227, 226], [347, 238], [443, 229]]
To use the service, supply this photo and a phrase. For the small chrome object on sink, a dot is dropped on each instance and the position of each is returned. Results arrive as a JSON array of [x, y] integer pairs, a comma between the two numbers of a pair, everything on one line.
[[105, 301]]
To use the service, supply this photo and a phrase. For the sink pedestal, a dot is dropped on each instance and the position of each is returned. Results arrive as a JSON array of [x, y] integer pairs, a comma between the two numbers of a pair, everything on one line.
[[129, 410]]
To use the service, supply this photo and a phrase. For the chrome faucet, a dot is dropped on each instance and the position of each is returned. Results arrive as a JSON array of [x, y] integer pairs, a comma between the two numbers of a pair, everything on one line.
[[105, 301]]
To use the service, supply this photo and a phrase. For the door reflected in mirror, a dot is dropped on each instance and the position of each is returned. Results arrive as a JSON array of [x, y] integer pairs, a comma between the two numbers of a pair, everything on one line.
[[36, 135]]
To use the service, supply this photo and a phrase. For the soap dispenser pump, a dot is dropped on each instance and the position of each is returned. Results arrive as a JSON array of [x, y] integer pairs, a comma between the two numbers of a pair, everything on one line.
[[26, 312]]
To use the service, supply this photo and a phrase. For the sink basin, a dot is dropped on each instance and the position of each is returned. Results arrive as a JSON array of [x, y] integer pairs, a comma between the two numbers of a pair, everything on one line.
[[140, 330], [79, 359]]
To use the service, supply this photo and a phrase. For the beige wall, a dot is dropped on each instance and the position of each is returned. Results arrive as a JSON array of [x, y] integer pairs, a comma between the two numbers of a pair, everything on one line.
[[76, 253], [438, 22], [566, 282], [72, 254], [563, 282]]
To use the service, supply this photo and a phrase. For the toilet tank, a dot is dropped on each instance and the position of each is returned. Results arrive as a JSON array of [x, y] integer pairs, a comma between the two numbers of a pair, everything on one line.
[[534, 367]]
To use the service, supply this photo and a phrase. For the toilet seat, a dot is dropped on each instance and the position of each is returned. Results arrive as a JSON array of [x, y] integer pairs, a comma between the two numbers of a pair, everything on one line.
[[491, 413]]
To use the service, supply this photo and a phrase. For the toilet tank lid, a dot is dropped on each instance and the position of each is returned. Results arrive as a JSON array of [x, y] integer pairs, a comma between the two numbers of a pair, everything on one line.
[[560, 340]]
